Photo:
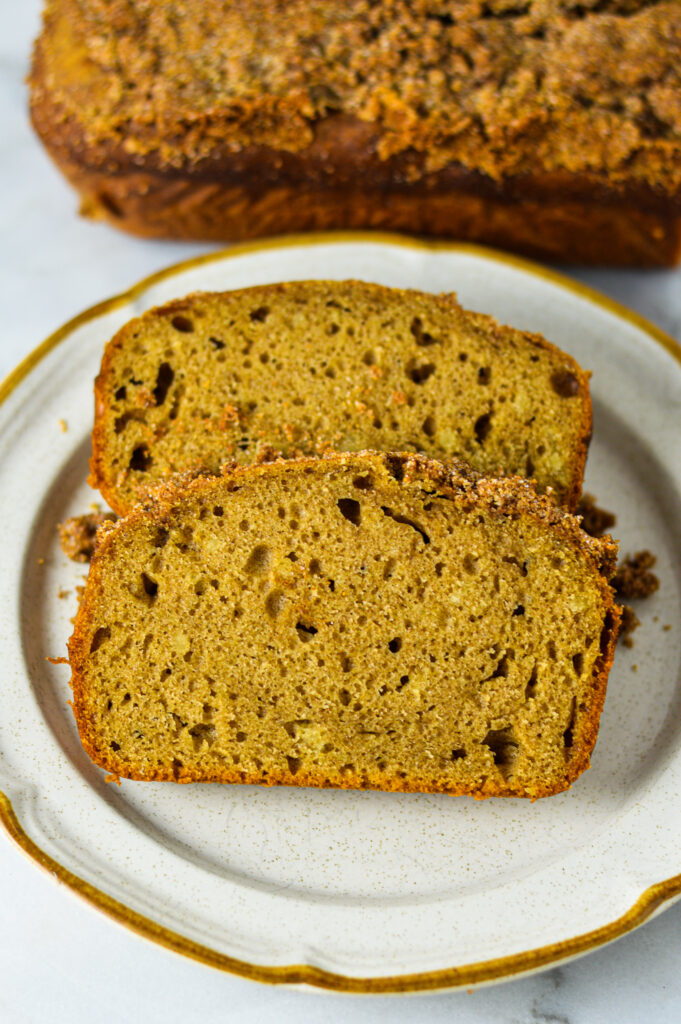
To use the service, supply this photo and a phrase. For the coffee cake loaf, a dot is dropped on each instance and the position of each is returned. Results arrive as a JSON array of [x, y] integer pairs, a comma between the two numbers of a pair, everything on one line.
[[361, 621], [552, 127], [310, 366]]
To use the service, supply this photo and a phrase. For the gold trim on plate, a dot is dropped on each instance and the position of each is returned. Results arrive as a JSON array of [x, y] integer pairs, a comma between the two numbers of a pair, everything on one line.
[[296, 974]]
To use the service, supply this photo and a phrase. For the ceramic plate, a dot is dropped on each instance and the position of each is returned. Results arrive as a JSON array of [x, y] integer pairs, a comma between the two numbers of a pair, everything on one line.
[[354, 891]]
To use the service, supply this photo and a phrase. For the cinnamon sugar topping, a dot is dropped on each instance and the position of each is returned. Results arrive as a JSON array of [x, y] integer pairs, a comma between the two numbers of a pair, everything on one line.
[[506, 87]]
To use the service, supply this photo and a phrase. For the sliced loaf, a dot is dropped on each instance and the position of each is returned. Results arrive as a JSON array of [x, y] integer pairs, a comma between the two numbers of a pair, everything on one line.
[[362, 620], [314, 366]]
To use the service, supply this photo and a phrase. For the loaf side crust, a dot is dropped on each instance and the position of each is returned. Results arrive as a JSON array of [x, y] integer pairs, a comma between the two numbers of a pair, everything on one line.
[[640, 229]]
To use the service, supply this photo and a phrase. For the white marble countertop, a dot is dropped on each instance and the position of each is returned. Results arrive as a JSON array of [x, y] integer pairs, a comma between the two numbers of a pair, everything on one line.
[[61, 961]]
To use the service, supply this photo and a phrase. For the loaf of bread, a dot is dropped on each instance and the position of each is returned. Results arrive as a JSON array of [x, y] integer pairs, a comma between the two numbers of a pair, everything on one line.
[[311, 366], [361, 620], [552, 127]]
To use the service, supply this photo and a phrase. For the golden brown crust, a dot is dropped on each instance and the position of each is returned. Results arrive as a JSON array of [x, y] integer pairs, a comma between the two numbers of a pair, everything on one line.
[[550, 145], [510, 497], [621, 232], [103, 476]]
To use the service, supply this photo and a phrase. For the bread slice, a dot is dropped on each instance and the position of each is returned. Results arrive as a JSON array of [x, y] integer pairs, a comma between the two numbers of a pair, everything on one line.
[[362, 620], [312, 366]]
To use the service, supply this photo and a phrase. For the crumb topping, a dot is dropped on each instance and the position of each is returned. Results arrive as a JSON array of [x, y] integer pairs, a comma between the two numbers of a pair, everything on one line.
[[506, 87], [77, 535], [629, 622], [595, 521], [633, 577]]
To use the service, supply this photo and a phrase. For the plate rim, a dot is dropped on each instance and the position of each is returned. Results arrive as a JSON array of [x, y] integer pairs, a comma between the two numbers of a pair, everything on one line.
[[651, 899]]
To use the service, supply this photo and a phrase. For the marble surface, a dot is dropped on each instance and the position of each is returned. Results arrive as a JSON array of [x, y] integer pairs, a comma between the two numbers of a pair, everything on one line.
[[60, 961]]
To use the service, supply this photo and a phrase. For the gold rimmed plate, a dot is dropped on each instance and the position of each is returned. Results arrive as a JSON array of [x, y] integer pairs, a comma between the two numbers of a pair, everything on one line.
[[353, 891]]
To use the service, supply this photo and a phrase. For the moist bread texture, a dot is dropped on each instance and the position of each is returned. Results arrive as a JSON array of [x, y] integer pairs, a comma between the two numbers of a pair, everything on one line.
[[361, 621], [548, 126], [306, 367]]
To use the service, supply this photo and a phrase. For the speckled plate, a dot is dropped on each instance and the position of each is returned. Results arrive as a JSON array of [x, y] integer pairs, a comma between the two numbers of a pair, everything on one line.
[[363, 892]]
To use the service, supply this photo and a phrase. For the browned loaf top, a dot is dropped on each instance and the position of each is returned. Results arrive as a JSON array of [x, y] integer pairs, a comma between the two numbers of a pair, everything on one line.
[[503, 88], [363, 620], [312, 366]]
